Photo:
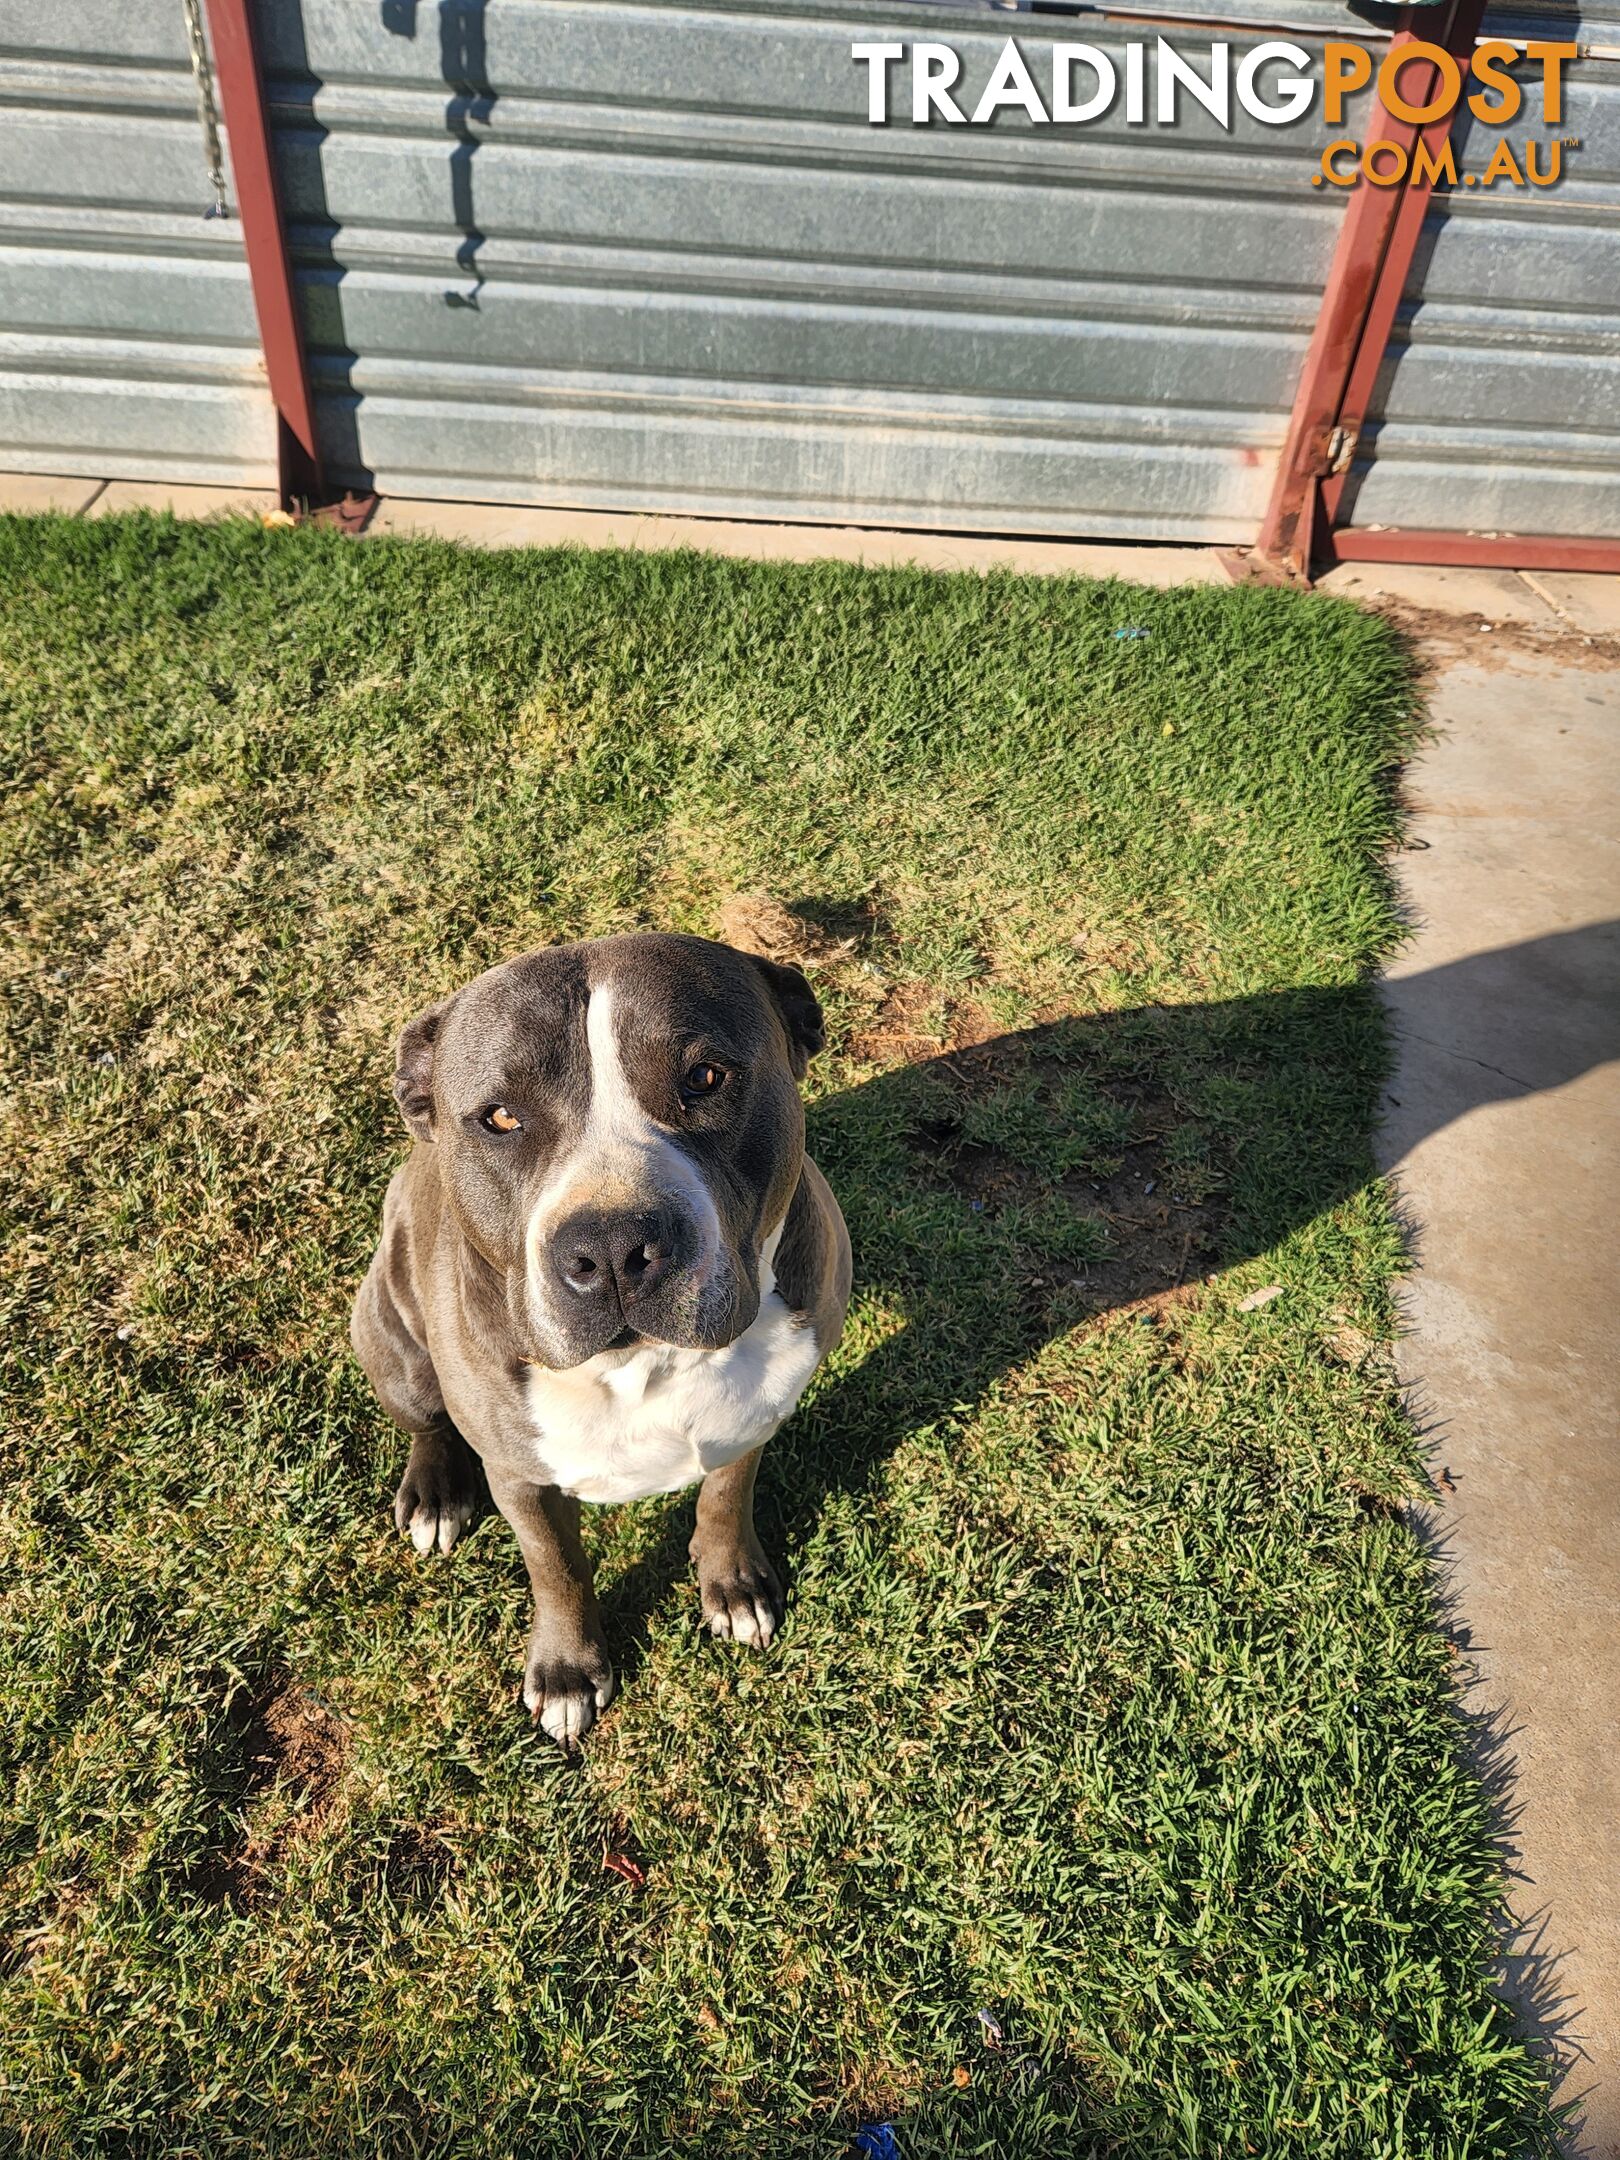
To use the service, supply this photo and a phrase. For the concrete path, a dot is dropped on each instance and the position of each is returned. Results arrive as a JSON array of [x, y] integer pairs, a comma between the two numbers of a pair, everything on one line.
[[1503, 1132]]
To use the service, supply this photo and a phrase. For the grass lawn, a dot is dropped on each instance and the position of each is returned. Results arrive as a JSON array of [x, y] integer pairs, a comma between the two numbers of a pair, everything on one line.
[[1110, 1702]]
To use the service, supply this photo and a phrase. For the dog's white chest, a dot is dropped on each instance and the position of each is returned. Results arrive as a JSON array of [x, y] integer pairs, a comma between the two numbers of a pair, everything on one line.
[[635, 1422]]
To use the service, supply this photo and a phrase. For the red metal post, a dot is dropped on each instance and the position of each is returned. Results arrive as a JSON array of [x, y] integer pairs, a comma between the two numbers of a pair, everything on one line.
[[1471, 551], [1415, 198], [242, 107], [1316, 440]]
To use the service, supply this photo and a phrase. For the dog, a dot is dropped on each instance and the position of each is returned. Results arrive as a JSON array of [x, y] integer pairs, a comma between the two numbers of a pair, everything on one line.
[[607, 1269]]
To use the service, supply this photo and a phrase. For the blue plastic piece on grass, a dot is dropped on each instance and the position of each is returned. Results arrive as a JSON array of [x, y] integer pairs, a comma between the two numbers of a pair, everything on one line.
[[1133, 631], [877, 2142]]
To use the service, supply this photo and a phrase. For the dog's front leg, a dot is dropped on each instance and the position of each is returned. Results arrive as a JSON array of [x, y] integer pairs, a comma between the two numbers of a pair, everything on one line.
[[568, 1677], [742, 1598]]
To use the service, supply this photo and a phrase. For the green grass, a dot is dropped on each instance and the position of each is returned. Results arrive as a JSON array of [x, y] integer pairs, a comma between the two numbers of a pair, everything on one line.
[[1111, 1699]]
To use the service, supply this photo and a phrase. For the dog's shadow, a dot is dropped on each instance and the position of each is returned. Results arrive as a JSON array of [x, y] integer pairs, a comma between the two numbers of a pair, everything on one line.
[[1004, 1190]]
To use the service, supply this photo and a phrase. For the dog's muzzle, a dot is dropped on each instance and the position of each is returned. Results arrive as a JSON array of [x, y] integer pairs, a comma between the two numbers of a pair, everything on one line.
[[620, 1261], [642, 1266]]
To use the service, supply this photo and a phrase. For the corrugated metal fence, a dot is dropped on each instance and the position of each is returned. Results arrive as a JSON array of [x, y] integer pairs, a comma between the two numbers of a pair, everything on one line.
[[128, 347], [651, 254], [655, 255]]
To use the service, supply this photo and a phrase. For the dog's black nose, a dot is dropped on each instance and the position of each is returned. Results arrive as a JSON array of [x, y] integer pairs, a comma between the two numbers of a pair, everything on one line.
[[622, 1256]]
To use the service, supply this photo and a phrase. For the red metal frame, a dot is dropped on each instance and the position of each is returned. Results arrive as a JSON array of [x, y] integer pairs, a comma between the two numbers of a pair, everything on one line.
[[1412, 544], [1470, 551], [1407, 230], [275, 300], [1288, 528], [1371, 261]]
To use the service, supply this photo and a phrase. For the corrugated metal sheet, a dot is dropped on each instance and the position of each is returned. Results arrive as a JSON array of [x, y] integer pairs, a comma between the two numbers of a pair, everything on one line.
[[1498, 406], [128, 347], [649, 254], [652, 254]]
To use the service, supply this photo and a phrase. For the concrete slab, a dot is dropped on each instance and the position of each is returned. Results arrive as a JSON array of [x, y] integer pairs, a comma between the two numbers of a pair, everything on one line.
[[185, 502], [1588, 602], [495, 525], [1503, 1129], [47, 491], [1490, 596]]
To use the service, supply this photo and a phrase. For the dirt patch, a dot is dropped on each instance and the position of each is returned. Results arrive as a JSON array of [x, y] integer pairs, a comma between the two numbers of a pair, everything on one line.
[[853, 924], [301, 1746], [905, 1022], [968, 1026], [756, 923], [292, 1752], [1438, 636], [1161, 1304], [1346, 1345], [904, 1029], [1378, 1507], [1159, 1240], [911, 1023], [1160, 1244], [418, 1864]]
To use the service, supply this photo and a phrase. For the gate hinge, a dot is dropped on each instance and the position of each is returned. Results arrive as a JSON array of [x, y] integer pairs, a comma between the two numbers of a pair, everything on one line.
[[1341, 449]]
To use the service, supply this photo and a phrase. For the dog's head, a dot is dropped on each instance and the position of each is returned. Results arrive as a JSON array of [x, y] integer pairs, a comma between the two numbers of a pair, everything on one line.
[[621, 1132]]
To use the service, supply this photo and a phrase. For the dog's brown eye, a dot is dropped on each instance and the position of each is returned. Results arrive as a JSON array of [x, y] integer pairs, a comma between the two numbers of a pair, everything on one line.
[[497, 1118], [702, 1080]]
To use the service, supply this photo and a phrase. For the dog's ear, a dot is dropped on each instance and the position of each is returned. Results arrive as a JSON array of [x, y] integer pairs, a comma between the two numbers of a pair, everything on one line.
[[413, 1069], [801, 1014]]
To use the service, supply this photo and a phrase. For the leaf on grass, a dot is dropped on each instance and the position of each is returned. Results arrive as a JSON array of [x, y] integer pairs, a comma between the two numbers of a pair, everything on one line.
[[1257, 1298]]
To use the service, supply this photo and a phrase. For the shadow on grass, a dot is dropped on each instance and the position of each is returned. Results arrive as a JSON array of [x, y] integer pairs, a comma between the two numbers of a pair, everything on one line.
[[1002, 1191], [1007, 1189]]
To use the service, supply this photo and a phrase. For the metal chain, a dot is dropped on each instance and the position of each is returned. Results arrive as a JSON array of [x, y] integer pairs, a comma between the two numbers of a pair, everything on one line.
[[207, 109]]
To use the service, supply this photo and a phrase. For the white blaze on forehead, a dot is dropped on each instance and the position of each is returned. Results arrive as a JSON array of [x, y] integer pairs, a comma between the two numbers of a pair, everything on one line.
[[623, 1158]]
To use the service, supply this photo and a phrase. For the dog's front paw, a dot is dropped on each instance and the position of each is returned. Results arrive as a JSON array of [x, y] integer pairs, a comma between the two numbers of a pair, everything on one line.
[[441, 1493], [564, 1692], [742, 1599]]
